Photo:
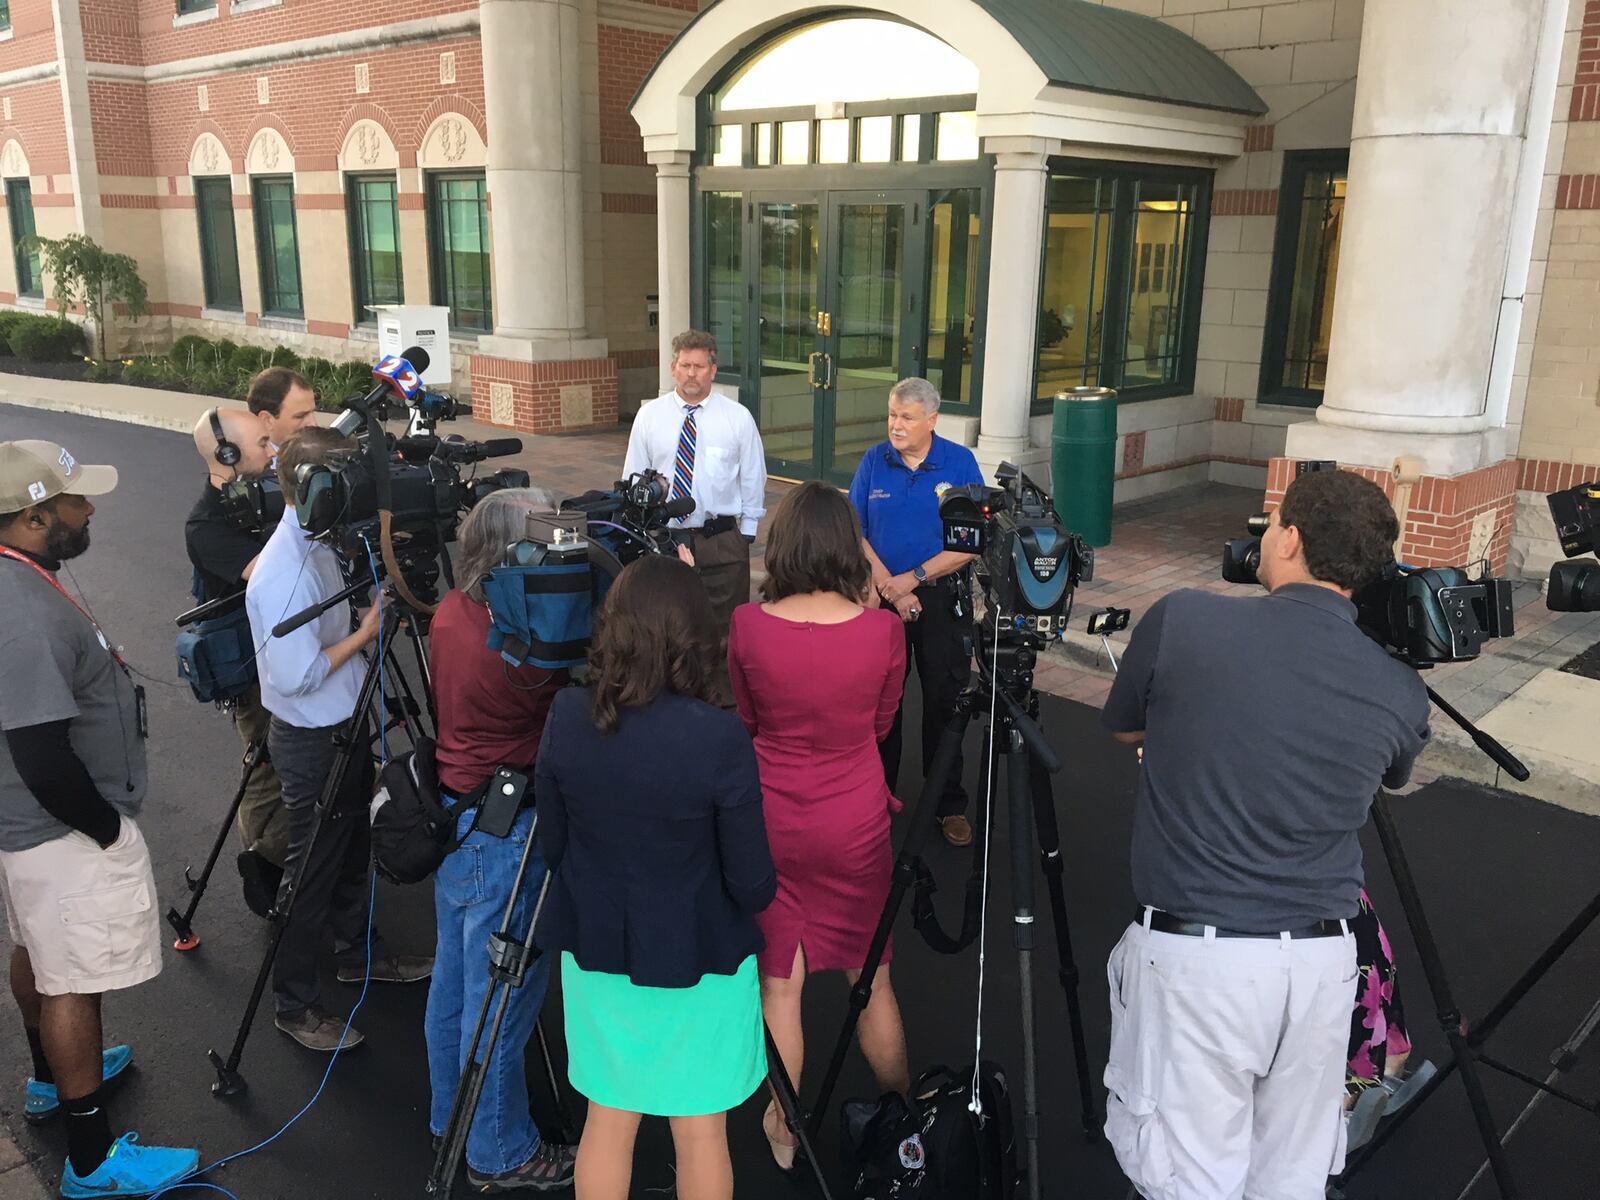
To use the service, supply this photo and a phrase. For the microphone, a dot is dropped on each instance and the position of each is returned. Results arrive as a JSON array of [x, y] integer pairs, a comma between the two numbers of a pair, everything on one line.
[[683, 506], [500, 447], [422, 447], [401, 375]]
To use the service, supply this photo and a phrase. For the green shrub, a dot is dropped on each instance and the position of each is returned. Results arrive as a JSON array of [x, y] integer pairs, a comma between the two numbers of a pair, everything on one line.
[[102, 371], [212, 381], [282, 356], [153, 372], [248, 359], [188, 351], [222, 352], [8, 320], [45, 339]]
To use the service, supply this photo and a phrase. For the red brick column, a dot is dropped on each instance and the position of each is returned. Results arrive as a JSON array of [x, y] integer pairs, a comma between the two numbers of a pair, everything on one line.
[[544, 397], [1439, 524]]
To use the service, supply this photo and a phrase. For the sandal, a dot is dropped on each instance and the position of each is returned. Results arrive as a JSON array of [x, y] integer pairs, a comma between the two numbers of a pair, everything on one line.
[[785, 1156]]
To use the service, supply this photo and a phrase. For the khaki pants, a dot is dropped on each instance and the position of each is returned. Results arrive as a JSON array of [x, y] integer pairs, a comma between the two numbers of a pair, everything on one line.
[[263, 821]]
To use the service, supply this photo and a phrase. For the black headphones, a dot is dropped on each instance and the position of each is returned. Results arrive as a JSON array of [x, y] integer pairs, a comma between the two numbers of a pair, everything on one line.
[[226, 452]]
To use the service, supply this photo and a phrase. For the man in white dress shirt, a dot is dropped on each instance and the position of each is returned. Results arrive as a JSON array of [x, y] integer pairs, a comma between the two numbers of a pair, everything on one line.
[[708, 446]]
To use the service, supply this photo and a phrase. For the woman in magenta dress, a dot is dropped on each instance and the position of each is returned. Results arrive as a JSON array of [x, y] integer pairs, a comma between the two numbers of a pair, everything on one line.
[[817, 676]]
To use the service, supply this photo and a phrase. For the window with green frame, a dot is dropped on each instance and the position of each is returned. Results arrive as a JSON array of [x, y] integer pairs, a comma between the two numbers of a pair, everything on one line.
[[724, 278], [1120, 304], [277, 247], [219, 243], [19, 203], [1305, 273], [5, 14], [458, 249], [375, 272], [186, 7]]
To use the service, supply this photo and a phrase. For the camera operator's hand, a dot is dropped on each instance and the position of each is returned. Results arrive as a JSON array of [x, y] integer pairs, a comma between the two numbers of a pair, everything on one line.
[[367, 630], [896, 587], [909, 608], [685, 555], [343, 651]]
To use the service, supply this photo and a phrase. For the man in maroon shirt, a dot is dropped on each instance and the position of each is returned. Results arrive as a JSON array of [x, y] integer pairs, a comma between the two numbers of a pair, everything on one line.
[[490, 715]]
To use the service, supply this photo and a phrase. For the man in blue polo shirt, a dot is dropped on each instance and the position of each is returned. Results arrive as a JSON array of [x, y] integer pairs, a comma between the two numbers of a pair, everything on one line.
[[896, 492]]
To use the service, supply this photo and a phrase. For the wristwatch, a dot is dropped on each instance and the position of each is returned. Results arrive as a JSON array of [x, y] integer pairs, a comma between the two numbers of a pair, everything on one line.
[[919, 573]]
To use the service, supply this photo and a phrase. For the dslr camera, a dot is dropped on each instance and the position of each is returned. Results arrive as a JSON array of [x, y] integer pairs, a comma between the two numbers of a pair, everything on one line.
[[1422, 615], [1028, 561], [1575, 584]]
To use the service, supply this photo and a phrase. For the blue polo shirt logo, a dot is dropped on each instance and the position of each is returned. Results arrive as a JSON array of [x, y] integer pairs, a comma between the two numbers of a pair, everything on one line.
[[879, 494], [940, 489]]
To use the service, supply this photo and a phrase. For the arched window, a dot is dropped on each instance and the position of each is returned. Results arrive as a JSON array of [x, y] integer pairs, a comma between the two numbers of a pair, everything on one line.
[[845, 90]]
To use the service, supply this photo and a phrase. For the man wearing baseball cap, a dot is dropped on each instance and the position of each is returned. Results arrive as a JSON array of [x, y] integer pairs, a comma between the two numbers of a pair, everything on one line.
[[75, 876]]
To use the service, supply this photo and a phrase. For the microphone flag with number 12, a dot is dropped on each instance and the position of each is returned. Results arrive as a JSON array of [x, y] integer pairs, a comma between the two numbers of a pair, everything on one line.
[[399, 374]]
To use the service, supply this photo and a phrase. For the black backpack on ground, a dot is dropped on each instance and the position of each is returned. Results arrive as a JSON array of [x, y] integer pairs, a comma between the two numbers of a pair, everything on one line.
[[929, 1146]]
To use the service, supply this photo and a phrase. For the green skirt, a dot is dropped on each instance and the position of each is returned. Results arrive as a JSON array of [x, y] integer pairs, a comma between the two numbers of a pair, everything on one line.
[[665, 1052]]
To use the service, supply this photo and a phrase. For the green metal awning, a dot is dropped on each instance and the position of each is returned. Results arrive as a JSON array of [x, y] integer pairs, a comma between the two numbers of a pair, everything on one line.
[[1100, 49], [1078, 44]]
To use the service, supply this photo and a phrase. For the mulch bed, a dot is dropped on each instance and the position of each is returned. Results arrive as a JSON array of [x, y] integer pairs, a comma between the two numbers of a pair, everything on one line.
[[76, 370]]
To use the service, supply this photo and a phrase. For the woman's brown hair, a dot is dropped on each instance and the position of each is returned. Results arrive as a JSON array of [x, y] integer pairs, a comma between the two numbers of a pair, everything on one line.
[[656, 631], [814, 545]]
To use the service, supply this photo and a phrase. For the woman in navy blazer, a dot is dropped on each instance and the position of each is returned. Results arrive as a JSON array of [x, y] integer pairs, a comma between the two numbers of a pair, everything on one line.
[[650, 819]]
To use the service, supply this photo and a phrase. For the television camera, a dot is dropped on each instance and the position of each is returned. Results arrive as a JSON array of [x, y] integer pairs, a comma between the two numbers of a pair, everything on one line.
[[1028, 562], [1575, 583]]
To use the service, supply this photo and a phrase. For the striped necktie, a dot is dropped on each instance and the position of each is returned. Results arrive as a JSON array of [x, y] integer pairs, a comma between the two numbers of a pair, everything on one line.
[[683, 465]]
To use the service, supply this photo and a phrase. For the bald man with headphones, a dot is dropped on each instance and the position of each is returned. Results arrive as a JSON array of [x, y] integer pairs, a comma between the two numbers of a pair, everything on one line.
[[234, 444]]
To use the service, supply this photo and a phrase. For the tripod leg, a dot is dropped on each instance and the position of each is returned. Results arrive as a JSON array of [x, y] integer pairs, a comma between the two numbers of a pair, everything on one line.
[[1021, 831], [229, 1082], [558, 1096], [789, 1102], [1450, 1020], [1044, 818], [183, 922], [509, 960], [900, 882]]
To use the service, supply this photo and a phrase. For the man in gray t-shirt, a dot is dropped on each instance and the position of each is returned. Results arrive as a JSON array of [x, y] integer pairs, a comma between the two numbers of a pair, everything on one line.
[[1268, 723], [75, 875]]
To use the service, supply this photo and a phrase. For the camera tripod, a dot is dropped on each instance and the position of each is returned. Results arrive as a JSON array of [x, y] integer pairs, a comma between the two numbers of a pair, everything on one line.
[[510, 956], [1467, 1038], [352, 743], [1005, 698], [404, 711]]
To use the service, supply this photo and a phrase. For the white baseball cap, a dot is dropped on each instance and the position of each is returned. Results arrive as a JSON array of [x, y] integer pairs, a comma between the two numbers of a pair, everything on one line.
[[33, 471]]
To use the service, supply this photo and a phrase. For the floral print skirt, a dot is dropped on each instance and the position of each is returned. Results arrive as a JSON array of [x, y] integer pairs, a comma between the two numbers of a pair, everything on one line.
[[1378, 1024]]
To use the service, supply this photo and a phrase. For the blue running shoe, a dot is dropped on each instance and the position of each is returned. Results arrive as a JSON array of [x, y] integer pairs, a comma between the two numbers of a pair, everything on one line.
[[130, 1170], [43, 1103]]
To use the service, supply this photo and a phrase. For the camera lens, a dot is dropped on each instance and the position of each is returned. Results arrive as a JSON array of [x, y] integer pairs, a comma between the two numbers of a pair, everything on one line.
[[1574, 586], [1258, 524]]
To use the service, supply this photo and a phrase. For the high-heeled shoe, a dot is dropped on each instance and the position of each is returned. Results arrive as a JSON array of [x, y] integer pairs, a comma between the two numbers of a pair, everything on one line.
[[785, 1157]]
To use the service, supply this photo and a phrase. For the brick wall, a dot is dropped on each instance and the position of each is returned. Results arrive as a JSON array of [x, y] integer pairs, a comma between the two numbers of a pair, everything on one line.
[[628, 55], [33, 35]]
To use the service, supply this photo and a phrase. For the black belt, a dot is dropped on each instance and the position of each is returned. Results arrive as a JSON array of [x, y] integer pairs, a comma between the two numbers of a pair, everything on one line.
[[712, 527], [1165, 922]]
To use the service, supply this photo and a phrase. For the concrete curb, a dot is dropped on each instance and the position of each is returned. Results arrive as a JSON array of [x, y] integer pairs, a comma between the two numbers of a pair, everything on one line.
[[174, 422]]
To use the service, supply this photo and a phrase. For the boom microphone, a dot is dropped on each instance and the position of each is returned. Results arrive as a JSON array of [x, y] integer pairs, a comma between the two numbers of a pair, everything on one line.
[[683, 506], [422, 447]]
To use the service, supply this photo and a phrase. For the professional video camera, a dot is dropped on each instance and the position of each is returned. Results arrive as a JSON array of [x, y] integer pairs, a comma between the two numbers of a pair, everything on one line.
[[1575, 584], [1028, 562], [543, 596], [631, 519], [1424, 615]]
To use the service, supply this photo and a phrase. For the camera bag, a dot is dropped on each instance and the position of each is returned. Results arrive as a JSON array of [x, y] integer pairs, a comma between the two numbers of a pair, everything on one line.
[[930, 1146], [218, 657], [412, 830]]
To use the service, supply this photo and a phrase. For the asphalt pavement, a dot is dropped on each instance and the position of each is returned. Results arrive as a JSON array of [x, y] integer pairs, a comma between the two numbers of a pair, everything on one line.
[[1501, 874]]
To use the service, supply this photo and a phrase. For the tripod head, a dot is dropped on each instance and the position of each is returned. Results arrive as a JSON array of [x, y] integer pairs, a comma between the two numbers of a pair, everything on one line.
[[1006, 657]]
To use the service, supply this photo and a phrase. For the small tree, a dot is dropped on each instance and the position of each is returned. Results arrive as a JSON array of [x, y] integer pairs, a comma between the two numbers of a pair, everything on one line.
[[84, 272]]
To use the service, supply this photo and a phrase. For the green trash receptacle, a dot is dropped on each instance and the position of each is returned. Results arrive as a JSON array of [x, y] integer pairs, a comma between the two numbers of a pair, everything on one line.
[[1083, 446]]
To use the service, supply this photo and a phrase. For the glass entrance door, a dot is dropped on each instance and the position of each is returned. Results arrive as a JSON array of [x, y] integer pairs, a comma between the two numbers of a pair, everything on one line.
[[839, 308]]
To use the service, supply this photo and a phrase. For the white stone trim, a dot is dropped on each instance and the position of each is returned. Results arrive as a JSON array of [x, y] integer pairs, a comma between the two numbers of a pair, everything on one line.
[[7, 33], [208, 158], [449, 27], [282, 324], [34, 74], [650, 18], [180, 20], [250, 6], [268, 154], [452, 143], [228, 316], [14, 161], [368, 149]]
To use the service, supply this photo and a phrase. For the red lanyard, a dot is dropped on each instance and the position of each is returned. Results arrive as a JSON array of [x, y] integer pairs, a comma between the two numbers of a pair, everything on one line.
[[7, 552]]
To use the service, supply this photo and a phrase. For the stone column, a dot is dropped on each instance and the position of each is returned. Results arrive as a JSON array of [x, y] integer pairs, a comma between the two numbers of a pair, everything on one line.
[[674, 270], [1016, 247], [1442, 130], [541, 370]]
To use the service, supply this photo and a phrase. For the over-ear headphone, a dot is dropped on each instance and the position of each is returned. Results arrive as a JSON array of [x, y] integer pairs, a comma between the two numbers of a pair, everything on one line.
[[226, 452]]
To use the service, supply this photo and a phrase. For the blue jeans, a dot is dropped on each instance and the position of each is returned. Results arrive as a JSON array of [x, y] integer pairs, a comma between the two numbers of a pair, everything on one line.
[[470, 893]]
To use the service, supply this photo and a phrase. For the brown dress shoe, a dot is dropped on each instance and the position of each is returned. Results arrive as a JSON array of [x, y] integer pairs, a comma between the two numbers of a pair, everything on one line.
[[396, 968], [957, 830], [318, 1029]]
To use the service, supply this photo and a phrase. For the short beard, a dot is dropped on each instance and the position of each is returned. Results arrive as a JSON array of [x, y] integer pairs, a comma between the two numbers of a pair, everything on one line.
[[63, 542]]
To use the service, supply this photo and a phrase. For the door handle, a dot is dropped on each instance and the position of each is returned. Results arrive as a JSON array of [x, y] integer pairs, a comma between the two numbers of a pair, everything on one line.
[[825, 324], [826, 361]]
